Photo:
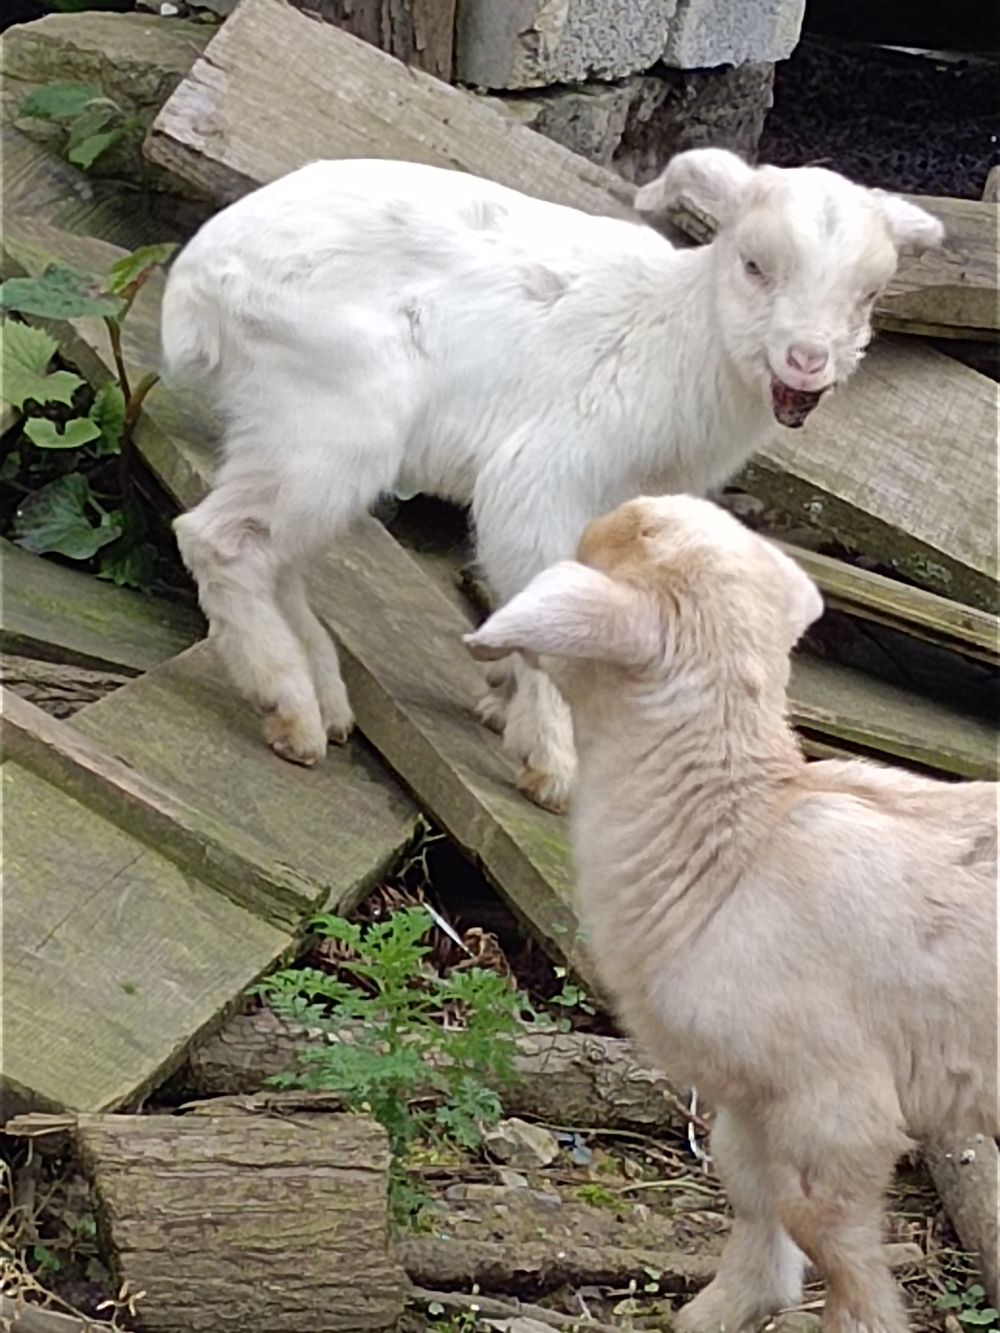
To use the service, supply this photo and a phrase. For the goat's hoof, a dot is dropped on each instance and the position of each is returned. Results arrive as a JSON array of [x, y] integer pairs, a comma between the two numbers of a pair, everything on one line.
[[544, 789], [492, 711], [338, 725], [291, 740]]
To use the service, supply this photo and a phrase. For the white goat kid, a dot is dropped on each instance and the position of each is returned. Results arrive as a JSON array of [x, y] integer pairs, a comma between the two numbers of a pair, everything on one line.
[[814, 946], [372, 326]]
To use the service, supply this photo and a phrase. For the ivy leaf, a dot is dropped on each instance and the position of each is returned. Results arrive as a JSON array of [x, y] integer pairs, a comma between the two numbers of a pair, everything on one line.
[[133, 567], [58, 101], [25, 353], [56, 519], [60, 293], [86, 152], [77, 433], [108, 413], [128, 274], [97, 116], [977, 1318]]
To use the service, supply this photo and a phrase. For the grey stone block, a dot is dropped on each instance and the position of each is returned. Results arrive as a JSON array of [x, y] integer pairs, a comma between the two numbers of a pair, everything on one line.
[[589, 120], [637, 124], [704, 33], [681, 109], [511, 44]]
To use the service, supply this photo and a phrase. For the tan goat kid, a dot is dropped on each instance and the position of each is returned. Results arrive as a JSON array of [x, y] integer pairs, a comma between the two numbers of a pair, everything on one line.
[[813, 945]]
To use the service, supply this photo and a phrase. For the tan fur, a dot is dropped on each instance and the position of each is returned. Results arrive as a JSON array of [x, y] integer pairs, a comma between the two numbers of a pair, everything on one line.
[[813, 945]]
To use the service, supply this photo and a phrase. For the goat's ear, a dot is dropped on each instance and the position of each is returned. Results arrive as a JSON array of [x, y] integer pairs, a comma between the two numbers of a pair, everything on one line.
[[805, 603], [571, 610], [913, 230], [713, 179]]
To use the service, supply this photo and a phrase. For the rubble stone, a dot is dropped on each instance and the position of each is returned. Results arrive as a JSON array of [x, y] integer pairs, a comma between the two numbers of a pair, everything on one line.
[[511, 44]]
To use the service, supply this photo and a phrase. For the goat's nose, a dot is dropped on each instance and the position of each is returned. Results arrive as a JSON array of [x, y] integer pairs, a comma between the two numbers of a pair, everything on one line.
[[809, 358]]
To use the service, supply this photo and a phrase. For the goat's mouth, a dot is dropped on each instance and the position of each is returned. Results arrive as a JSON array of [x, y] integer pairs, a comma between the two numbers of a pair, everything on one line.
[[792, 406]]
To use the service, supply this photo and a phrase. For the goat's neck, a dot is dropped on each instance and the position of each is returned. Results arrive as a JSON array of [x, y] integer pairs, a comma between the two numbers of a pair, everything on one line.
[[698, 398], [678, 787]]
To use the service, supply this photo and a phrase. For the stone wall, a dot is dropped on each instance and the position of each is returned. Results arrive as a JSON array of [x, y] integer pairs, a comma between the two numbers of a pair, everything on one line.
[[629, 82]]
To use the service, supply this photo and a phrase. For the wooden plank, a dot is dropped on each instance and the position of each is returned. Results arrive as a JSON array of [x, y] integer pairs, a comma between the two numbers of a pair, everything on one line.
[[233, 860], [948, 293], [869, 596], [863, 713], [421, 33], [114, 958], [335, 829], [901, 465], [62, 615], [347, 100], [951, 292]]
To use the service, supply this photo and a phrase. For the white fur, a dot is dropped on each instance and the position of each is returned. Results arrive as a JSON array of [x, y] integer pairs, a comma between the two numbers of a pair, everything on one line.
[[373, 326], [814, 946]]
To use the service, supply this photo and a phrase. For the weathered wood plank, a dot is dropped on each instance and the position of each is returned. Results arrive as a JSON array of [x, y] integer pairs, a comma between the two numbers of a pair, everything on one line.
[[62, 615], [335, 829], [418, 32], [903, 461], [950, 293], [114, 958], [902, 465], [291, 1233], [863, 713], [58, 688], [925, 615], [232, 860], [347, 100]]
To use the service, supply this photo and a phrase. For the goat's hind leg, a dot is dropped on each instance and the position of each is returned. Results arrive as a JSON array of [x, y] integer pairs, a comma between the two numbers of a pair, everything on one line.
[[228, 544], [334, 706]]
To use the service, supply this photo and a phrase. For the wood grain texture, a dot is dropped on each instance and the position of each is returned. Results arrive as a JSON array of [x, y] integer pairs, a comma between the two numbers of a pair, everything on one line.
[[228, 856], [261, 1223], [59, 688], [347, 100], [966, 1175], [330, 831], [925, 615], [420, 33], [564, 1078], [869, 715], [62, 615], [114, 958], [951, 292], [902, 465]]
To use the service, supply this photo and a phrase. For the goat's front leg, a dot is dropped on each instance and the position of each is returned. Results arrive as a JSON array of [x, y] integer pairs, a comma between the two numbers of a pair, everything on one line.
[[761, 1269], [493, 708], [539, 732], [520, 531]]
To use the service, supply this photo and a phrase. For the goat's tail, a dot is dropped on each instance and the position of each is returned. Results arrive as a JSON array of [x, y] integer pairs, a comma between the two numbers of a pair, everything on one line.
[[190, 325]]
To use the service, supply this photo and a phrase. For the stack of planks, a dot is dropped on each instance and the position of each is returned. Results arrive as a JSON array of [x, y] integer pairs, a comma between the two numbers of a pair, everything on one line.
[[159, 859], [902, 466]]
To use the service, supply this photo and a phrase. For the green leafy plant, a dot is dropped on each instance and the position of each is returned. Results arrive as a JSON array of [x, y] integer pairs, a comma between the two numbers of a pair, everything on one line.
[[91, 123], [968, 1306], [67, 515], [421, 1078]]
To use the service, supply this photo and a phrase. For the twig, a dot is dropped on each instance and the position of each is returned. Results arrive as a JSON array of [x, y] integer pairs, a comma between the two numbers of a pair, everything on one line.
[[494, 1309]]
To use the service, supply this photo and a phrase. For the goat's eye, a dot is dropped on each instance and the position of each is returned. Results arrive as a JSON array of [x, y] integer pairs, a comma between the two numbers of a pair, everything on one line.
[[871, 297], [752, 269]]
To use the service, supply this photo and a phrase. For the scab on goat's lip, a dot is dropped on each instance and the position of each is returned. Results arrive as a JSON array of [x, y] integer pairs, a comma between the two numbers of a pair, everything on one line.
[[792, 406]]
